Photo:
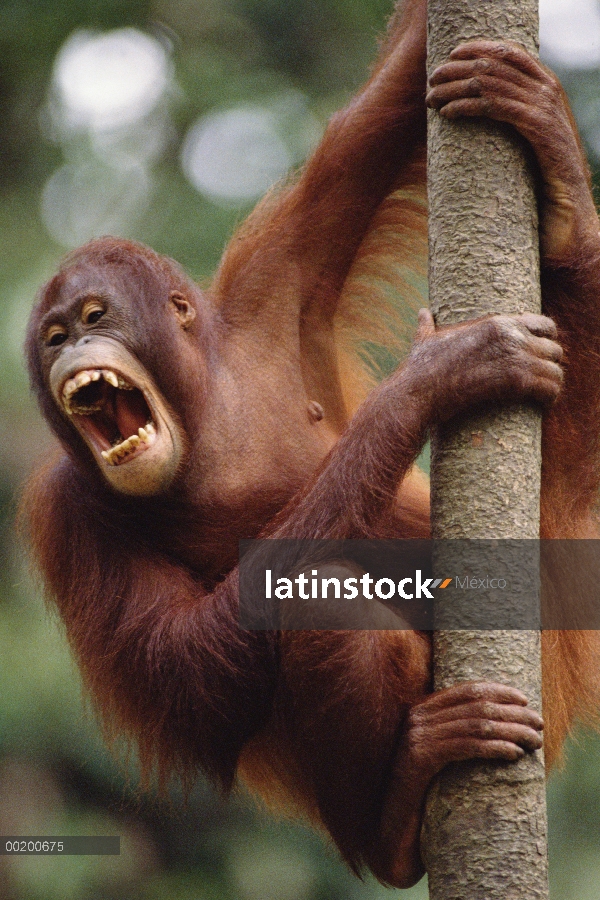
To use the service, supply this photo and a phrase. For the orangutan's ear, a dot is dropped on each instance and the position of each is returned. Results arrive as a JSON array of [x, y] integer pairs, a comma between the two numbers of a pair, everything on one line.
[[182, 308]]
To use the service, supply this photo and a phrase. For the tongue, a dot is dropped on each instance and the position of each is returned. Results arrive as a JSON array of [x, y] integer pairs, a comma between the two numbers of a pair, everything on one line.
[[131, 412]]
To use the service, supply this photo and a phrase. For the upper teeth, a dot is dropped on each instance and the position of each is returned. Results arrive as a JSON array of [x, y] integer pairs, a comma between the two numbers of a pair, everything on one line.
[[81, 379]]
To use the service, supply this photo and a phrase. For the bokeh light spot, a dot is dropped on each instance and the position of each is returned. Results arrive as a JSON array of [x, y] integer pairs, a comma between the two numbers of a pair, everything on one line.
[[81, 202], [110, 80], [570, 33], [236, 154]]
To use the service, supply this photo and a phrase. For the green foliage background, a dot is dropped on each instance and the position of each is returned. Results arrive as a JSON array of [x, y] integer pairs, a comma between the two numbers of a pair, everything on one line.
[[56, 777]]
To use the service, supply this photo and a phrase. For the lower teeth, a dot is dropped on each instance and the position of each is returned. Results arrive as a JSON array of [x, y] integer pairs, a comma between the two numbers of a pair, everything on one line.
[[122, 449]]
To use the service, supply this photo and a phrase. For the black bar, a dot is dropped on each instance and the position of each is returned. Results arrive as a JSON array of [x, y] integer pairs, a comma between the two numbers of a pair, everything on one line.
[[66, 845], [425, 585]]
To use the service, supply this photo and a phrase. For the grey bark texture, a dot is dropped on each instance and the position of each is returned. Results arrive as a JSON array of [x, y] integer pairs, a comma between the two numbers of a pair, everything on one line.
[[485, 833]]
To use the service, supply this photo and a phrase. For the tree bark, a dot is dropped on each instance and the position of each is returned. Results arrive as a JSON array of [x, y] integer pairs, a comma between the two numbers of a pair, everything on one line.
[[484, 834]]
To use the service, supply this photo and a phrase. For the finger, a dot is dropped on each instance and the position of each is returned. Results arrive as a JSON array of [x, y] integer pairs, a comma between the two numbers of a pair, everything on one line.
[[464, 69], [445, 93], [546, 370], [461, 749], [546, 349], [506, 51], [544, 385], [488, 729], [501, 109], [542, 326], [475, 690], [488, 710], [493, 90]]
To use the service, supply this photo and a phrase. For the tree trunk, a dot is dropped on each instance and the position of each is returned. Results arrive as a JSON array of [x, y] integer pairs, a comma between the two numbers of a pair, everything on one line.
[[484, 835]]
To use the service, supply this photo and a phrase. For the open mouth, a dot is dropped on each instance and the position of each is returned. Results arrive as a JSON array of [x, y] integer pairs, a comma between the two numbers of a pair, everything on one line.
[[111, 413]]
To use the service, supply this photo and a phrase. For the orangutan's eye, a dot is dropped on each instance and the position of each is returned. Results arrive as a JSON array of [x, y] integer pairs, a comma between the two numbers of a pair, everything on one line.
[[56, 335], [91, 312]]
